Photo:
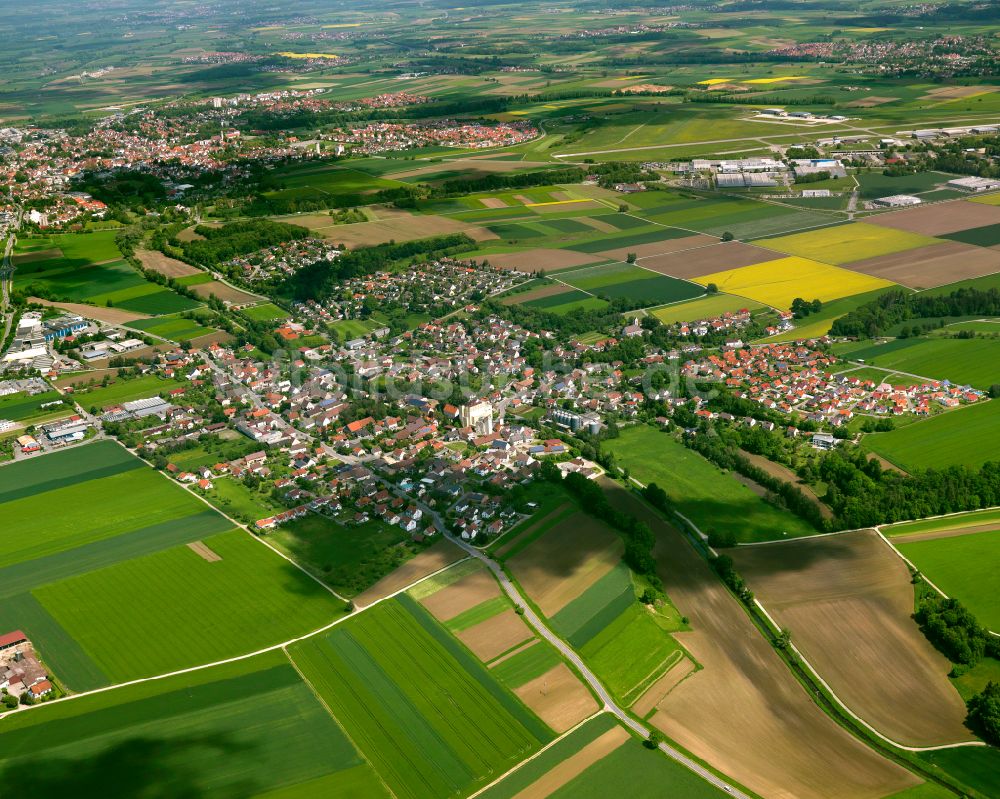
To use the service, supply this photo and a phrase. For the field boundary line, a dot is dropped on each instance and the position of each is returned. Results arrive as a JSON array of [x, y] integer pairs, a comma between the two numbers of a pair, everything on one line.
[[545, 748], [851, 713]]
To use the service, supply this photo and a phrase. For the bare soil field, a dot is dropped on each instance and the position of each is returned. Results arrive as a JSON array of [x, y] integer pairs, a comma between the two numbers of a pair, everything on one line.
[[871, 102], [744, 712], [188, 234], [716, 257], [597, 224], [847, 600], [541, 259], [171, 267], [573, 766], [40, 255], [933, 220], [113, 316], [400, 227], [460, 596], [217, 337], [536, 294], [785, 474], [493, 202], [656, 248], [663, 686], [934, 265], [224, 292], [202, 549], [566, 561], [558, 698], [493, 637], [435, 558], [954, 92]]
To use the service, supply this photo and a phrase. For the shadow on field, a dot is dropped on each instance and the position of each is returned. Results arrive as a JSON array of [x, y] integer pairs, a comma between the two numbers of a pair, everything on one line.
[[145, 768], [802, 554]]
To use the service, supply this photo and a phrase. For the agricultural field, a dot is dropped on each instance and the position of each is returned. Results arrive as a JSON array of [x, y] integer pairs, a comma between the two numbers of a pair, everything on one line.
[[851, 590], [959, 562], [784, 742], [136, 618], [818, 324], [113, 508], [843, 244], [630, 282], [172, 328], [712, 499], [970, 362], [777, 283], [931, 266], [429, 718], [210, 732], [965, 436], [87, 268]]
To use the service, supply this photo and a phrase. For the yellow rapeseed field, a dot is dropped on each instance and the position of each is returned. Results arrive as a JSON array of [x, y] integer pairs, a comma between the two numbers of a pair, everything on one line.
[[845, 244], [777, 283]]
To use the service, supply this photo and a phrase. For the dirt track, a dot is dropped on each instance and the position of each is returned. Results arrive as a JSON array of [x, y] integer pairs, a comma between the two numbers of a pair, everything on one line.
[[744, 712], [847, 600]]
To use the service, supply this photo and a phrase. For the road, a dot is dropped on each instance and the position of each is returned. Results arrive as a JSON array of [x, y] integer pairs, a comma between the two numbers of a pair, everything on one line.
[[609, 703]]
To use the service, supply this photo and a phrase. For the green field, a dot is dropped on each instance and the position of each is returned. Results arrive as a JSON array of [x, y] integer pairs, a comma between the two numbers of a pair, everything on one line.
[[966, 436], [631, 282], [267, 312], [174, 328], [174, 609], [964, 361], [91, 510], [126, 390], [978, 767], [954, 521], [963, 567], [432, 720], [713, 500], [645, 773], [22, 407], [235, 730], [875, 184], [631, 653]]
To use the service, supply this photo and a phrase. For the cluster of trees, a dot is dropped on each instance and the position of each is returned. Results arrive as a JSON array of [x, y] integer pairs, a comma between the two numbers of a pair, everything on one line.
[[220, 244], [984, 713], [955, 632], [876, 317], [802, 308], [320, 280], [639, 539], [725, 568], [563, 325]]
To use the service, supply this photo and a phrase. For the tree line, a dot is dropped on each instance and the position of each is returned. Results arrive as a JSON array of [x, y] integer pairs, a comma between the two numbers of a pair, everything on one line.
[[879, 315]]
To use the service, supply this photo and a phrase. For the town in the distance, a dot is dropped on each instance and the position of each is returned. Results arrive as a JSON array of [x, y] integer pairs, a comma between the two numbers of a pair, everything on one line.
[[501, 401]]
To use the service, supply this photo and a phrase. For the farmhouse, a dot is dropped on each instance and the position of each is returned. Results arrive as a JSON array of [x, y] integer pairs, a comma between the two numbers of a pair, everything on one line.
[[12, 639]]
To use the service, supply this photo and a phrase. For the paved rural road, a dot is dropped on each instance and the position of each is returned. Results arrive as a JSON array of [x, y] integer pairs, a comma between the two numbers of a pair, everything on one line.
[[535, 621]]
